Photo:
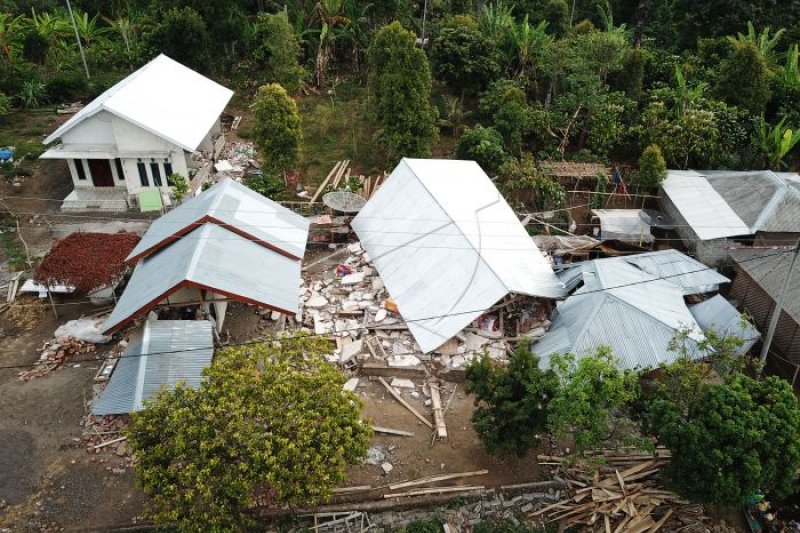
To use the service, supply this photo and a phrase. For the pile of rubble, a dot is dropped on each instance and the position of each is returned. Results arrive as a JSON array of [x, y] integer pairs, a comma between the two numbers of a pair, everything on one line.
[[238, 159], [351, 304], [105, 434], [54, 355]]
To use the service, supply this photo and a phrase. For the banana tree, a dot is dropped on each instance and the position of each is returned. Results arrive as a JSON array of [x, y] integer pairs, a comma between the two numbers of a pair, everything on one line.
[[10, 38], [765, 42], [527, 42], [686, 96], [775, 142], [496, 19]]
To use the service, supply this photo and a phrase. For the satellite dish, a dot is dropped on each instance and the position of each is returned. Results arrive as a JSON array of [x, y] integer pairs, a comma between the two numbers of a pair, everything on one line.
[[344, 201]]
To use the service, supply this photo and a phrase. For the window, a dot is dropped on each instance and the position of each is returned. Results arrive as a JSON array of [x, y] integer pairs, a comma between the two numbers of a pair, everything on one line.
[[155, 168], [142, 174], [168, 168], [79, 168], [120, 172]]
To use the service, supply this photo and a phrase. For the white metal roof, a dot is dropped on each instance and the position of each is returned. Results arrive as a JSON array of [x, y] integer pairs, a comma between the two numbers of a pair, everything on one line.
[[161, 355], [708, 214], [214, 259], [448, 247], [237, 208], [163, 97], [719, 315]]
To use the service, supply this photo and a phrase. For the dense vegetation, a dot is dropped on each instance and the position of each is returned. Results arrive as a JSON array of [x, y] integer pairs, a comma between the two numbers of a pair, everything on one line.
[[711, 84]]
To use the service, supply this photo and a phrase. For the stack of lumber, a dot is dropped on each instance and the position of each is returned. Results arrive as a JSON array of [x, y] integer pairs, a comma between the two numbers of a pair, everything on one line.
[[340, 174], [623, 496]]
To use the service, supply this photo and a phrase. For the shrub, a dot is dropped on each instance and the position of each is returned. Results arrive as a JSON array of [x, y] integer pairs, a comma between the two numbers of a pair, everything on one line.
[[652, 167], [483, 145], [67, 86]]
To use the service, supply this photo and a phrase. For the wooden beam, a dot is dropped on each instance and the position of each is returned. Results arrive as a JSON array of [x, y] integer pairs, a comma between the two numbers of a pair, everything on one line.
[[325, 182], [435, 479], [441, 490], [438, 414], [388, 431], [405, 403]]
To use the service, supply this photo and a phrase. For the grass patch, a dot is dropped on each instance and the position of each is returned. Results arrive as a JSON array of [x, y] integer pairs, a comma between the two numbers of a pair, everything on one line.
[[337, 125], [12, 248]]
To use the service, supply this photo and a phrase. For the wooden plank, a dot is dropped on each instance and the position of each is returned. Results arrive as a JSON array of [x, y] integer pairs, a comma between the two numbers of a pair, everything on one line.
[[607, 523], [637, 468], [110, 442], [325, 182], [662, 521], [621, 482], [405, 403], [438, 415], [434, 479], [440, 490], [389, 431], [348, 490]]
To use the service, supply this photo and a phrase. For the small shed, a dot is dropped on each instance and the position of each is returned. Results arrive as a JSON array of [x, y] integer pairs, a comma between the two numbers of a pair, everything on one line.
[[159, 356], [627, 225]]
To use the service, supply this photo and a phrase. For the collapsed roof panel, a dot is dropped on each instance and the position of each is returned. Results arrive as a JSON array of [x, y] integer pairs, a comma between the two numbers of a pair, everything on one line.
[[448, 247]]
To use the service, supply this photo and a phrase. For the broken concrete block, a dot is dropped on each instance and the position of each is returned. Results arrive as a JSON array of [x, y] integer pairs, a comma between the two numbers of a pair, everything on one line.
[[475, 342], [275, 315], [401, 361], [316, 301], [350, 305], [380, 315], [387, 467], [350, 385], [403, 383], [352, 279], [377, 284], [351, 350], [354, 248]]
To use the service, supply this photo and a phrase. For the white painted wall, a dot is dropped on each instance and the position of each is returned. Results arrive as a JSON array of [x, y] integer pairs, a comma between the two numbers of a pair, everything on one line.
[[96, 131]]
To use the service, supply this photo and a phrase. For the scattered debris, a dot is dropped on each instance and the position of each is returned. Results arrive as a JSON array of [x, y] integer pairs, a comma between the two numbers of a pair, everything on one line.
[[83, 329], [387, 467], [55, 355], [435, 479]]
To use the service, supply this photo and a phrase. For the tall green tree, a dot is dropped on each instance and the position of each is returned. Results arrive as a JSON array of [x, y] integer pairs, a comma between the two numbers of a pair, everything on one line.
[[652, 167], [744, 79], [182, 35], [270, 424], [277, 128], [278, 51], [399, 88], [511, 403], [463, 57], [731, 440]]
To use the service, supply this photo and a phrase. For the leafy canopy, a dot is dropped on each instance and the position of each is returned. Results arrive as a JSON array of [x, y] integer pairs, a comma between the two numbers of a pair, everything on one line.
[[399, 88], [277, 127], [511, 402], [271, 423], [277, 50]]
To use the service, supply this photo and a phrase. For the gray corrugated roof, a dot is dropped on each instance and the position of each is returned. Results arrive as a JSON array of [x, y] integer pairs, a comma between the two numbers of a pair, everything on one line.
[[237, 207], [764, 200], [179, 351], [216, 259], [636, 318], [719, 315], [768, 269]]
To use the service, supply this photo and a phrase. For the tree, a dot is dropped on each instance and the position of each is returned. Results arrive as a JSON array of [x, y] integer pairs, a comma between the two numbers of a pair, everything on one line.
[[463, 57], [590, 395], [652, 167], [775, 142], [744, 79], [277, 127], [278, 50], [520, 180], [511, 403], [399, 88], [732, 439], [483, 145], [506, 104], [182, 35], [270, 424]]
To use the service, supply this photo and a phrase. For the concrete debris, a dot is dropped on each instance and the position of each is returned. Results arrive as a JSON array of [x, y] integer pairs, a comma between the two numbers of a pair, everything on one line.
[[387, 467], [403, 383], [350, 385], [350, 303], [54, 355]]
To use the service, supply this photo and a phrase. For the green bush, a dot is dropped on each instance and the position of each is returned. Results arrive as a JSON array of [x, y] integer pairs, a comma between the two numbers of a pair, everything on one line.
[[268, 186], [431, 525], [66, 86], [652, 167], [483, 145]]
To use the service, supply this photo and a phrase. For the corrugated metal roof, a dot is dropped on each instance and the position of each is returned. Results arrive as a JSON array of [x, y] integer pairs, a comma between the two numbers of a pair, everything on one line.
[[768, 268], [163, 97], [216, 259], [180, 350], [239, 209], [637, 319], [709, 216], [624, 225], [719, 315], [448, 246]]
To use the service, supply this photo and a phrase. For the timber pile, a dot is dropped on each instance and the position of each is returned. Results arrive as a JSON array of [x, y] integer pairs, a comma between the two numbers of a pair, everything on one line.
[[341, 173], [624, 496], [55, 355]]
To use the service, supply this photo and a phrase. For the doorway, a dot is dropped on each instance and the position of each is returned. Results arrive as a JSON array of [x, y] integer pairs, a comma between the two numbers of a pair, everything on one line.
[[101, 172]]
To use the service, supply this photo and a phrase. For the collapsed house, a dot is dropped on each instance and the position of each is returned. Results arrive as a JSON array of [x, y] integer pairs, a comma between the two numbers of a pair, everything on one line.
[[715, 211], [636, 305], [227, 243], [448, 247], [130, 139]]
